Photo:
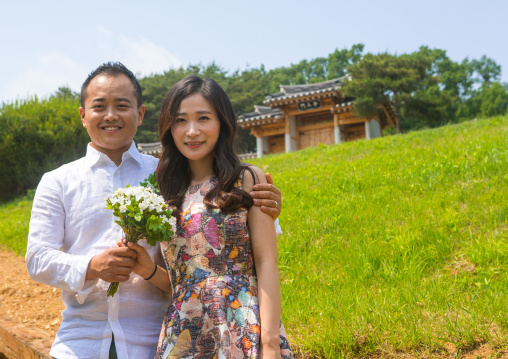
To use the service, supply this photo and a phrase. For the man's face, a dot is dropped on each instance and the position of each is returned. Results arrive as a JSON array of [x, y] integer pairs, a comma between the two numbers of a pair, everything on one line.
[[111, 114]]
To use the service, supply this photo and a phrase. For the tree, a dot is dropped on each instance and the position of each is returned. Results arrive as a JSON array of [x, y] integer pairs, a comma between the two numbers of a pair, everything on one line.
[[461, 83], [246, 89], [339, 61], [377, 79], [315, 70], [66, 93], [487, 69], [426, 108], [493, 100]]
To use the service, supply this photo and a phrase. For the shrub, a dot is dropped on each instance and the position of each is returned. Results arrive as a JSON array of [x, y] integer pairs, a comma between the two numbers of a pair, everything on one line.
[[37, 136]]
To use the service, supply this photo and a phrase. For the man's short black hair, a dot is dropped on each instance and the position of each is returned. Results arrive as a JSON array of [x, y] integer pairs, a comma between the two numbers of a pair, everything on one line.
[[112, 69]]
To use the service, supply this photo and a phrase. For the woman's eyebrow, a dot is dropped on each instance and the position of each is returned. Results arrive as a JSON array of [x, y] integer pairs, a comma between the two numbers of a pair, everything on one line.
[[200, 112]]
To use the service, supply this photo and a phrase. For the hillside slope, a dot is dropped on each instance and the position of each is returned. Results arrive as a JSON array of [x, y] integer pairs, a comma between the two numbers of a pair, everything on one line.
[[398, 243]]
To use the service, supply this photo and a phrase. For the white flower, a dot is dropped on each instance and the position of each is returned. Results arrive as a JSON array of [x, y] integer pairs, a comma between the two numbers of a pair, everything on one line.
[[171, 221], [145, 198]]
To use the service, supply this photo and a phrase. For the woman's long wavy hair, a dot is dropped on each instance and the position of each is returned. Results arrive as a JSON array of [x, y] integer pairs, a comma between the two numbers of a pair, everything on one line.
[[173, 174]]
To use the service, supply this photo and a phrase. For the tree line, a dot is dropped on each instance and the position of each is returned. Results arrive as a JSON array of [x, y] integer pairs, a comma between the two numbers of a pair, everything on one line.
[[425, 89]]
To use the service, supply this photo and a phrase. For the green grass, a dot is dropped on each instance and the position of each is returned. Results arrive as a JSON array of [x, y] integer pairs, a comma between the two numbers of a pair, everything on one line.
[[14, 219], [394, 244], [399, 243]]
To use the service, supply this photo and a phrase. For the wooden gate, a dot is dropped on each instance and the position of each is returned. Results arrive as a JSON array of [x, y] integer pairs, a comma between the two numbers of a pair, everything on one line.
[[354, 132], [276, 144], [315, 129], [313, 137]]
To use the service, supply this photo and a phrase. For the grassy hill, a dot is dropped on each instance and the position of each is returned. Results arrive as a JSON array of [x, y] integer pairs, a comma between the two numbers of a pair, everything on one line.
[[394, 244]]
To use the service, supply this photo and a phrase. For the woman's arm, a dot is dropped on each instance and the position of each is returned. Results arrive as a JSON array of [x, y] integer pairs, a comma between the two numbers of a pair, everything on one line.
[[146, 268], [267, 196], [264, 248]]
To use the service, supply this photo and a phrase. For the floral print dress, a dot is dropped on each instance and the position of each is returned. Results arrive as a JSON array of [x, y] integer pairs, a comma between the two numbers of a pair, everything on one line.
[[214, 311]]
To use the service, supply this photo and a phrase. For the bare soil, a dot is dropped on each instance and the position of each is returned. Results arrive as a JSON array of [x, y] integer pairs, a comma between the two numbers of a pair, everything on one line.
[[25, 301], [32, 304]]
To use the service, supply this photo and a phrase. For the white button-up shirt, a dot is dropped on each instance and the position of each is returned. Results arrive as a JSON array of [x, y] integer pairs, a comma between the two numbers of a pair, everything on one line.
[[68, 226]]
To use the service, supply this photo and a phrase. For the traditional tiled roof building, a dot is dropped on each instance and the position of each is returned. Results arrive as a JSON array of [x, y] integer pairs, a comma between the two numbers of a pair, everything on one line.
[[301, 116], [153, 148]]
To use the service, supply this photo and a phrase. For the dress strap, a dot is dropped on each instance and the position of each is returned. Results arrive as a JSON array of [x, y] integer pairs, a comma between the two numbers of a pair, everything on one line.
[[238, 183]]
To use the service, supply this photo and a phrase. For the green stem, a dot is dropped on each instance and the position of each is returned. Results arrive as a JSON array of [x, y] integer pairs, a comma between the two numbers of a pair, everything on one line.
[[130, 236], [113, 287]]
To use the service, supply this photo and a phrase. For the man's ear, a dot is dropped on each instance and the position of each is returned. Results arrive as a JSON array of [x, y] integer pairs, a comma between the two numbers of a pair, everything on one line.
[[141, 114], [82, 115]]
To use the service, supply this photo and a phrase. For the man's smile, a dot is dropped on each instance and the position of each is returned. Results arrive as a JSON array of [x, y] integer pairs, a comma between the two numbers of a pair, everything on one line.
[[111, 128]]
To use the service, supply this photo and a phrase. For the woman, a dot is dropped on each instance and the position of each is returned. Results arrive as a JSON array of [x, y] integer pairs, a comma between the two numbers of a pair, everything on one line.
[[222, 262]]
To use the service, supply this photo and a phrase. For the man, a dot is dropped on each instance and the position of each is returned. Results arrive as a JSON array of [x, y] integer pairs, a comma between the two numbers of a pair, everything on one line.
[[71, 237]]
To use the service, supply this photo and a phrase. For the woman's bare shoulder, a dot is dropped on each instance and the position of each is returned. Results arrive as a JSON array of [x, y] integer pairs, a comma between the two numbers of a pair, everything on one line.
[[252, 175]]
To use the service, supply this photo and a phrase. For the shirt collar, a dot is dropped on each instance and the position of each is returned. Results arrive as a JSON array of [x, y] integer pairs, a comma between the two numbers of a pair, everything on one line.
[[94, 157], [132, 153]]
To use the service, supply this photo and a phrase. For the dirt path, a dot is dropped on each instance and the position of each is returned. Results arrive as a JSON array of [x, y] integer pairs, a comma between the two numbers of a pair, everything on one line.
[[25, 301]]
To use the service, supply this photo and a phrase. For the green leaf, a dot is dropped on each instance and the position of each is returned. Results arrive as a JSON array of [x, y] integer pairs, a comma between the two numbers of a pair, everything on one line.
[[150, 181]]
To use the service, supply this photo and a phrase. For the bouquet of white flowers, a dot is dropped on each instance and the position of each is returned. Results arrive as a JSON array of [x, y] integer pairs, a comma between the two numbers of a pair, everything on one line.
[[142, 213]]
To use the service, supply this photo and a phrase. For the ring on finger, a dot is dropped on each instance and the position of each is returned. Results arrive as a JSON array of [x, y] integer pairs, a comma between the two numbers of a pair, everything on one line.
[[276, 203]]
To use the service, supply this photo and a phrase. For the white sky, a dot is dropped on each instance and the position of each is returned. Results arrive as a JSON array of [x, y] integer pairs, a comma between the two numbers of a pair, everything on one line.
[[47, 44]]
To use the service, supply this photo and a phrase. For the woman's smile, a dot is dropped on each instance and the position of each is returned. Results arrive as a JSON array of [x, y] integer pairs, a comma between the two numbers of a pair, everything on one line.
[[194, 144]]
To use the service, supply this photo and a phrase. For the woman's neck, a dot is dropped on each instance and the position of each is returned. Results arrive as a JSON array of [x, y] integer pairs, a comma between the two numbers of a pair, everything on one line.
[[201, 170]]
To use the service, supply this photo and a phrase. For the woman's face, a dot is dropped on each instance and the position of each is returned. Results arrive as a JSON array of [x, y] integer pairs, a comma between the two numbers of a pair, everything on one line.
[[196, 128]]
